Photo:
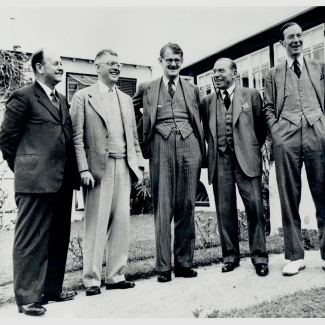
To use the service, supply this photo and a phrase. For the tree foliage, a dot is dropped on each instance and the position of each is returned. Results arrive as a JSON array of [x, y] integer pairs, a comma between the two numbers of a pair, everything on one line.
[[14, 72]]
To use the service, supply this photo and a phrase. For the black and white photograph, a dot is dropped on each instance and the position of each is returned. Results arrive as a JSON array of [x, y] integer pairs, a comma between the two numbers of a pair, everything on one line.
[[162, 160]]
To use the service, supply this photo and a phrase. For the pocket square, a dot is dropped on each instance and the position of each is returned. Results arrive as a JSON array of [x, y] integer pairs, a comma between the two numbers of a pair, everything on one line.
[[245, 106]]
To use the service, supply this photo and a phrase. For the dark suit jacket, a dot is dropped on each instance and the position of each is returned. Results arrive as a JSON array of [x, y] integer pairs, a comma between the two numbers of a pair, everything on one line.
[[147, 98], [275, 87], [249, 130], [32, 140]]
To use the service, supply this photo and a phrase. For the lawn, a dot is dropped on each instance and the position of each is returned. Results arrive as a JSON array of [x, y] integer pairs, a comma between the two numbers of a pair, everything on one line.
[[141, 262]]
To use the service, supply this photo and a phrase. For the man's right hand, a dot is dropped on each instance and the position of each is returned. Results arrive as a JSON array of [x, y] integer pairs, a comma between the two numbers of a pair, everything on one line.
[[87, 179]]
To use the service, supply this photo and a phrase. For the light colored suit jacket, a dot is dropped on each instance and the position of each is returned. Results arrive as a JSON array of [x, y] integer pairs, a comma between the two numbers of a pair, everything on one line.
[[91, 136], [249, 130], [147, 98], [275, 87]]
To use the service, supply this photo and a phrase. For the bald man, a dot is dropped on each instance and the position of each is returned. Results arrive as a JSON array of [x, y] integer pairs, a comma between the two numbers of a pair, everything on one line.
[[235, 132], [36, 141]]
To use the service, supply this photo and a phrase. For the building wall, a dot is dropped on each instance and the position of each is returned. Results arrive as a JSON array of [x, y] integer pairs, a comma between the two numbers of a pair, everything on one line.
[[141, 73]]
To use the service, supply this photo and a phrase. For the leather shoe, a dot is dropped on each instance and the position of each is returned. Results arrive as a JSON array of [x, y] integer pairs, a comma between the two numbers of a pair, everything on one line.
[[91, 291], [63, 296], [164, 276], [184, 272], [33, 309], [293, 267], [229, 266], [262, 269], [120, 285]]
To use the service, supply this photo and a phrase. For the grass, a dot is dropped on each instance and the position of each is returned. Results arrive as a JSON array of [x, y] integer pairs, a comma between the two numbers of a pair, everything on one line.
[[301, 304], [141, 263]]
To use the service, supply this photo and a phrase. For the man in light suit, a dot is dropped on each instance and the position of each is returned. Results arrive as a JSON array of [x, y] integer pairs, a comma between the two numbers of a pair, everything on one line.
[[172, 138], [235, 131], [109, 158], [294, 112], [36, 141]]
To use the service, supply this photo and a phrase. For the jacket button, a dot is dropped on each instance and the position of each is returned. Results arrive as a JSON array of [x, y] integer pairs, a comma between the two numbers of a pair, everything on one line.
[[106, 135], [106, 149]]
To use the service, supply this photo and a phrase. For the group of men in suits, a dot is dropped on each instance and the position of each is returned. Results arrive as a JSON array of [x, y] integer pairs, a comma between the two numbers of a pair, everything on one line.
[[102, 145]]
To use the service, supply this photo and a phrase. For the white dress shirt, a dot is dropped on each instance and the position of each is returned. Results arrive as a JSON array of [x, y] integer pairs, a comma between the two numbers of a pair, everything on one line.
[[230, 91], [47, 90], [104, 89], [165, 80], [300, 62]]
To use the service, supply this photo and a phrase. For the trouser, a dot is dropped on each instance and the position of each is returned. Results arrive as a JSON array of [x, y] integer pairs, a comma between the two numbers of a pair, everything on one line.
[[227, 173], [294, 145], [107, 224], [174, 173], [41, 243]]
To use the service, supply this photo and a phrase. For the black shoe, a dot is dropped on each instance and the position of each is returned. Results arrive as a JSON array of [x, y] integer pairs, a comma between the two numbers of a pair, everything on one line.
[[63, 296], [184, 272], [120, 285], [229, 266], [262, 269], [33, 309], [91, 291], [164, 276]]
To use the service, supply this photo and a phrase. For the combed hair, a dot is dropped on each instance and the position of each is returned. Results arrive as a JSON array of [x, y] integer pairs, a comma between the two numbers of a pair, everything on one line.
[[103, 52], [284, 27], [232, 64], [174, 47], [37, 57]]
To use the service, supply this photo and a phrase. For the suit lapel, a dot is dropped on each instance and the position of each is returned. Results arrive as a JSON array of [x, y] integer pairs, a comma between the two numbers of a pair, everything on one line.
[[188, 97], [95, 100], [153, 94], [63, 107], [124, 105], [280, 78], [237, 103], [315, 76], [45, 101], [213, 115]]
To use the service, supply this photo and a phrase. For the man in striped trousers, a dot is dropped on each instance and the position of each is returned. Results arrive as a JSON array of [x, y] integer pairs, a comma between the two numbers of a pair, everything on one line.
[[171, 136]]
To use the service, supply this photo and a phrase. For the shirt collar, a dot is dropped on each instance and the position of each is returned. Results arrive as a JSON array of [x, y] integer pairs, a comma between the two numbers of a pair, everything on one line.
[[47, 90], [165, 80], [300, 61], [230, 91], [103, 88]]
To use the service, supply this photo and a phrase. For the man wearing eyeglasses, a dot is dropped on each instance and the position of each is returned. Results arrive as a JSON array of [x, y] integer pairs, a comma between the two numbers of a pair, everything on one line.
[[109, 158], [235, 131], [172, 138]]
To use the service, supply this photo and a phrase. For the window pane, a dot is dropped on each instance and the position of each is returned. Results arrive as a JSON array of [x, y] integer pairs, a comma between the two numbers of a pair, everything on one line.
[[319, 55], [263, 77], [256, 80], [317, 35], [307, 40], [256, 60]]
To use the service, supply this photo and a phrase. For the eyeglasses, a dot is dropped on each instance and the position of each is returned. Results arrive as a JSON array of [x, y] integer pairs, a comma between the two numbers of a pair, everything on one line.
[[170, 61], [111, 64]]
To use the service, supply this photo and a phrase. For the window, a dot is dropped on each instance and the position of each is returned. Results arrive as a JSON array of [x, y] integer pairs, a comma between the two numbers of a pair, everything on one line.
[[313, 46], [205, 84], [251, 70], [76, 82]]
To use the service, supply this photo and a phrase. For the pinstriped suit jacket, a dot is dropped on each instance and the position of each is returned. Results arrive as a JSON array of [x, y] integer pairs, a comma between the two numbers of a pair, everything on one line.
[[147, 98]]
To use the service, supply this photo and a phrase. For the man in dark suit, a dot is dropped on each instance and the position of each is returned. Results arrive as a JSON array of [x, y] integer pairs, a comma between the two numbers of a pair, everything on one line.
[[294, 112], [235, 132], [171, 136], [36, 141]]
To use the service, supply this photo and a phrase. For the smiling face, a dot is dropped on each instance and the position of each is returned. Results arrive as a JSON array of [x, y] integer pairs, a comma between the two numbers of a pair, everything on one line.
[[108, 74], [223, 75], [171, 70], [50, 72], [293, 41]]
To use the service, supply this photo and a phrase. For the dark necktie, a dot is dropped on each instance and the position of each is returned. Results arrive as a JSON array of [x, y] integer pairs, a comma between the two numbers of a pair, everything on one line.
[[55, 101], [296, 68], [226, 99], [170, 88]]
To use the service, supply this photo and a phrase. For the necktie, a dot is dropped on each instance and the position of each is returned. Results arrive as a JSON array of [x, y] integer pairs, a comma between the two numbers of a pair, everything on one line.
[[170, 88], [296, 68], [226, 99], [55, 100]]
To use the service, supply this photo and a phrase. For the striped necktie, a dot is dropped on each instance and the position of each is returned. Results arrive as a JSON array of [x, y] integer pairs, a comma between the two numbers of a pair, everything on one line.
[[55, 101], [170, 88]]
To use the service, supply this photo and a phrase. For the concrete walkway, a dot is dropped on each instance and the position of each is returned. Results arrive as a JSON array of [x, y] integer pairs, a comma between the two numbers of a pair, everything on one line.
[[181, 297]]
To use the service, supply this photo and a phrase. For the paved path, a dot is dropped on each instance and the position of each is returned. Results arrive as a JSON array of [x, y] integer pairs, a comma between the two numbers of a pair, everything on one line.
[[180, 297]]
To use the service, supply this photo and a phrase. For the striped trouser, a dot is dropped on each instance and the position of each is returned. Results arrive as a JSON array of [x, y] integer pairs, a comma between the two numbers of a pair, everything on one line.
[[174, 172]]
